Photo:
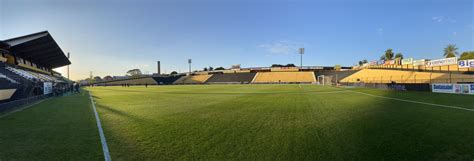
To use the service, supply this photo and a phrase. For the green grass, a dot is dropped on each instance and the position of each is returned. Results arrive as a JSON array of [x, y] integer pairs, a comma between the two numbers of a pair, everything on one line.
[[283, 122], [246, 122], [57, 129]]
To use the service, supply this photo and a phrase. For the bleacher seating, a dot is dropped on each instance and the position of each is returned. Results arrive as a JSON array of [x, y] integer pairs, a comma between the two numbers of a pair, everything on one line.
[[2, 76], [132, 81], [232, 78], [193, 79], [400, 76], [445, 68], [163, 80], [22, 73], [284, 77], [33, 76]]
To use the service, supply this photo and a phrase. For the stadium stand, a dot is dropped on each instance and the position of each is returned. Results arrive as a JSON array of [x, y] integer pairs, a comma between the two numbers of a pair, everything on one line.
[[445, 68], [131, 81], [26, 65], [146, 80], [165, 80], [243, 78], [400, 76], [284, 77], [193, 79]]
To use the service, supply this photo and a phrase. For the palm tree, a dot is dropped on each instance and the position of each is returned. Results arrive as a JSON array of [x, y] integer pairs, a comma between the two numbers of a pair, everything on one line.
[[450, 51], [399, 55], [389, 54]]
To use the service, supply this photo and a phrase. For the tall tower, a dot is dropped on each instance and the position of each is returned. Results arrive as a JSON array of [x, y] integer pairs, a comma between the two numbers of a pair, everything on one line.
[[301, 58], [158, 67], [189, 62]]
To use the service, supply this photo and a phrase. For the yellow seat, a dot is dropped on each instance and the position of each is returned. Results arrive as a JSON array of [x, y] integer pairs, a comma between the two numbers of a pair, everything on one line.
[[399, 76], [284, 77]]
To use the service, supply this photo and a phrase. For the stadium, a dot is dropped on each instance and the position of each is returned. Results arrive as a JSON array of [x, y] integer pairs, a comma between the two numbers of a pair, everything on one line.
[[394, 108]]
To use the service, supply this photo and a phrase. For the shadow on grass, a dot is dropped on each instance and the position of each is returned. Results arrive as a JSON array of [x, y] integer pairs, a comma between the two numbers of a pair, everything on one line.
[[396, 130]]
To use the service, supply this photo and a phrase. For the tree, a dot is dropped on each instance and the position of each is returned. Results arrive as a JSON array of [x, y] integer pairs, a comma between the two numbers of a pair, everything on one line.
[[467, 55], [108, 77], [389, 54], [362, 62], [173, 73], [399, 55], [211, 68], [450, 51], [134, 72], [382, 57], [220, 68], [97, 78], [276, 65], [205, 69], [290, 65]]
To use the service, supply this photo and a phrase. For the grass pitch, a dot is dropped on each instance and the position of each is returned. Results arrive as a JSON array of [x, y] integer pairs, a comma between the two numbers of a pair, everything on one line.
[[61, 128], [268, 122]]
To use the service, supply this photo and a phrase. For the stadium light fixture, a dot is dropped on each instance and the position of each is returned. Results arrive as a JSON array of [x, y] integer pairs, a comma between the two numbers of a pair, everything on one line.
[[301, 58], [68, 57], [189, 62]]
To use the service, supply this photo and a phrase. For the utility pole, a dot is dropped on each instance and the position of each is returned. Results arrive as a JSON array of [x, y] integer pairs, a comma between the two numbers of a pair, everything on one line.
[[301, 58]]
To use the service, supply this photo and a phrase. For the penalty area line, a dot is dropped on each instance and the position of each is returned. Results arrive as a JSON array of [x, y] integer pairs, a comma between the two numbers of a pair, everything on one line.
[[416, 102], [105, 148]]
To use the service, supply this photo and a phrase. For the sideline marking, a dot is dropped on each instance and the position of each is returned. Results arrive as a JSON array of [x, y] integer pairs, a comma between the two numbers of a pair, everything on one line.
[[105, 148], [410, 101]]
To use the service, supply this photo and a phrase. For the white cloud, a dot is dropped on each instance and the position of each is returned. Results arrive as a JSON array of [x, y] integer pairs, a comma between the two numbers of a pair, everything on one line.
[[281, 47], [440, 19]]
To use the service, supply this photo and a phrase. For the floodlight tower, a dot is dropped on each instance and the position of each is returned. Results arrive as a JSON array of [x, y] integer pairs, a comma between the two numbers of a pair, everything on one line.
[[189, 62], [68, 57], [301, 58]]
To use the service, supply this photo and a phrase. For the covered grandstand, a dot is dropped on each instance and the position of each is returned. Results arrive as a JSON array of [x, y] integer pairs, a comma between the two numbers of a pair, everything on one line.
[[26, 67]]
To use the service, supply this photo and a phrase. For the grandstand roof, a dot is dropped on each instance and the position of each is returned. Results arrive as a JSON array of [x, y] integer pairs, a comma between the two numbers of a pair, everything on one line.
[[39, 48]]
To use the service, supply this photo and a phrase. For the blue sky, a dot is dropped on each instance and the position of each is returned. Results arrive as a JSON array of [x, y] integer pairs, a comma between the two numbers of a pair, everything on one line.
[[110, 37]]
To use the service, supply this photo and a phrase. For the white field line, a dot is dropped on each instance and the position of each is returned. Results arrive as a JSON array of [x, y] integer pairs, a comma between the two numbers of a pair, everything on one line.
[[416, 102], [327, 92], [105, 148]]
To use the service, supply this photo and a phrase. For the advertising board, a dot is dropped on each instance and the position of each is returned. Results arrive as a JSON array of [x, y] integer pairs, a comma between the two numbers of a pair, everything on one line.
[[47, 87], [453, 88], [466, 63], [442, 62], [419, 62], [407, 61]]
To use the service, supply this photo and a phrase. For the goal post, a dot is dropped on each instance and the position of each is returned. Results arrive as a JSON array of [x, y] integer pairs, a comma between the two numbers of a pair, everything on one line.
[[324, 80]]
